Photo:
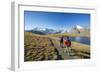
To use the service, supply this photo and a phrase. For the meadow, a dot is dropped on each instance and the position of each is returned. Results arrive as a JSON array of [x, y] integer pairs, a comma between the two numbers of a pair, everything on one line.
[[47, 47], [37, 48]]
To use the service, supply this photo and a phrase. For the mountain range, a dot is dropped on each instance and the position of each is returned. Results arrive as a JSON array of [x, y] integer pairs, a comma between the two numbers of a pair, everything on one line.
[[43, 31]]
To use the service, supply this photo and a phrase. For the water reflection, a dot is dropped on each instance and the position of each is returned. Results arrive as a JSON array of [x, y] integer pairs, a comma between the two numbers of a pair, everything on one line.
[[84, 40]]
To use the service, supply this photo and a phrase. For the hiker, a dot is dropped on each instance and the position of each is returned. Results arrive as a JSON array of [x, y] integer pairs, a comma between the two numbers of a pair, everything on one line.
[[67, 43], [61, 42]]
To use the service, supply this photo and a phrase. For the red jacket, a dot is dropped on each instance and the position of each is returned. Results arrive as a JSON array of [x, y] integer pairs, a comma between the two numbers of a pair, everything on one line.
[[67, 43]]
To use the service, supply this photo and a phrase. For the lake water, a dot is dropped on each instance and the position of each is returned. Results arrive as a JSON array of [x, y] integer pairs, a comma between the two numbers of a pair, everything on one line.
[[84, 40]]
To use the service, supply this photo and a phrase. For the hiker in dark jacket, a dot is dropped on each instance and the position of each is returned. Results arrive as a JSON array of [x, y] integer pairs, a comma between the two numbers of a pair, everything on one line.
[[61, 41], [67, 43]]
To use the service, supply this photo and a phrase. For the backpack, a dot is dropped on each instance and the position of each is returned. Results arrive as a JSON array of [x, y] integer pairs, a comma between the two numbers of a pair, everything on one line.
[[61, 39], [67, 43]]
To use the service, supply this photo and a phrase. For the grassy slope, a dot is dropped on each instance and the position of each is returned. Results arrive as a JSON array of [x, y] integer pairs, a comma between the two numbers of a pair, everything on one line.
[[38, 48], [74, 44], [86, 34], [80, 49]]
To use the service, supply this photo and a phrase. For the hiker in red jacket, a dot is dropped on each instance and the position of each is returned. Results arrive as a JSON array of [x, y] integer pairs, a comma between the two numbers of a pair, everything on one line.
[[67, 43]]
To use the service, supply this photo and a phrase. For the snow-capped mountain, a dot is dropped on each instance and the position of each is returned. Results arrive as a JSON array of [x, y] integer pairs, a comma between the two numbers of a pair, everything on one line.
[[39, 30], [74, 29], [79, 27]]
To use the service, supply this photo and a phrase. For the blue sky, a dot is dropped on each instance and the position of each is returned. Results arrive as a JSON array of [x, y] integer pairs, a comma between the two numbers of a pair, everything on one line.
[[54, 20]]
